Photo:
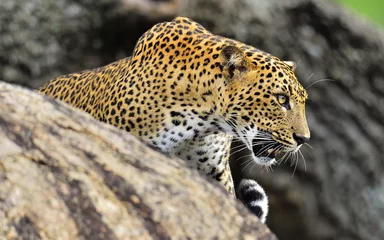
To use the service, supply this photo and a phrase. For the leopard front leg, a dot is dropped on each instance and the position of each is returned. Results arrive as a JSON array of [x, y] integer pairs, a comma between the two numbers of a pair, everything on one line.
[[225, 178], [210, 155]]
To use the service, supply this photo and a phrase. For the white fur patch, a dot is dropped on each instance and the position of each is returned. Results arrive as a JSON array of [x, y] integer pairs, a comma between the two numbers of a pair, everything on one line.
[[253, 186]]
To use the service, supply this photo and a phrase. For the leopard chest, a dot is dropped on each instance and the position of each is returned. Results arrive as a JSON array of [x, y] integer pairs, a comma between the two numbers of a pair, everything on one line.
[[208, 154], [202, 144]]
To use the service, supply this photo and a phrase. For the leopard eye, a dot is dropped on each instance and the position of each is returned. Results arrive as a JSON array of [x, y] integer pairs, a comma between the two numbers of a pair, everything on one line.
[[283, 100]]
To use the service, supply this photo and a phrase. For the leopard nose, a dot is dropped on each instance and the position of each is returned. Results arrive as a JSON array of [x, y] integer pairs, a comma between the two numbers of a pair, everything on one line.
[[300, 139]]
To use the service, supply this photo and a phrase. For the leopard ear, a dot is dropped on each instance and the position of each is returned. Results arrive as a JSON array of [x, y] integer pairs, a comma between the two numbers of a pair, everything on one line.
[[291, 65], [234, 62]]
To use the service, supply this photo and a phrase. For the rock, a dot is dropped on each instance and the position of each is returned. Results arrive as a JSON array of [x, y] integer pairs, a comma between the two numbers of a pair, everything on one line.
[[42, 39], [65, 175], [340, 195]]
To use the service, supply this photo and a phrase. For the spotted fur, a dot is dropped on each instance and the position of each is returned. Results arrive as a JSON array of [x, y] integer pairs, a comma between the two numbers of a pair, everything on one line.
[[189, 92]]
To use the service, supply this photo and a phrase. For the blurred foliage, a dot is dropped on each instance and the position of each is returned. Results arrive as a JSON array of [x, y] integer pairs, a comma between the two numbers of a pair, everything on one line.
[[373, 9]]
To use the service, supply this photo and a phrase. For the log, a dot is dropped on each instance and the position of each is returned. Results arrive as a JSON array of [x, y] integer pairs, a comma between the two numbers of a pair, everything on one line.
[[65, 175]]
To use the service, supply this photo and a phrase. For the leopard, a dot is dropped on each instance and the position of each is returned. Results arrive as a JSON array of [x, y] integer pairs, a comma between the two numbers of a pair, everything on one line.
[[189, 93]]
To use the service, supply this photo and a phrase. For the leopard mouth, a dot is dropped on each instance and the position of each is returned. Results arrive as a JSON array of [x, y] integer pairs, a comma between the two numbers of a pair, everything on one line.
[[265, 154]]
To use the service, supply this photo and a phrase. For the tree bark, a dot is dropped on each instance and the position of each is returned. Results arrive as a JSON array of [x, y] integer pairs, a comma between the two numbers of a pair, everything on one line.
[[65, 175], [339, 193]]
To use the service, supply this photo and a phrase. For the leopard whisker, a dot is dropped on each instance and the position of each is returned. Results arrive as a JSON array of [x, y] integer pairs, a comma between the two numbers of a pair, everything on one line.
[[307, 144], [311, 75], [318, 81], [296, 161], [250, 161], [250, 170], [305, 164], [239, 150], [245, 156], [309, 154]]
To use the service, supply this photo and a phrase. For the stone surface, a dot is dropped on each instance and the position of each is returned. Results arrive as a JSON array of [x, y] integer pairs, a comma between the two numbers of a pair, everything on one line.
[[340, 194], [41, 39], [65, 175]]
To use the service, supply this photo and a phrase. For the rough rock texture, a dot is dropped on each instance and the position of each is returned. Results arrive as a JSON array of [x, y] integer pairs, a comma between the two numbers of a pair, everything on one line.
[[41, 39], [65, 175], [341, 193]]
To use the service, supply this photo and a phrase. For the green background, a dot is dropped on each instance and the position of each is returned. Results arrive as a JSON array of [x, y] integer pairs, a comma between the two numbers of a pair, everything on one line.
[[371, 9]]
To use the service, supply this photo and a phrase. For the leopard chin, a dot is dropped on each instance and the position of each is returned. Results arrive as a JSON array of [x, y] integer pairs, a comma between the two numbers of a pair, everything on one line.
[[264, 161], [265, 154]]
